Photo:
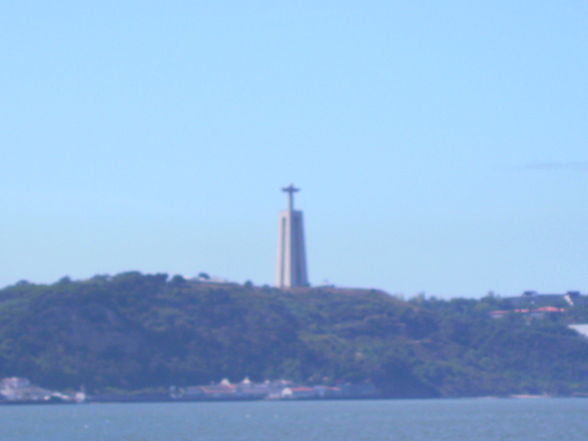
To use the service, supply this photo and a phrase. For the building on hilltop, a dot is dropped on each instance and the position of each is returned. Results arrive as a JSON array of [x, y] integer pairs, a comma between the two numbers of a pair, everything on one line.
[[291, 263], [570, 298]]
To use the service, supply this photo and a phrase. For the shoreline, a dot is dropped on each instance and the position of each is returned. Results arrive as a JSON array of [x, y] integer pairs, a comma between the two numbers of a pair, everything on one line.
[[232, 400]]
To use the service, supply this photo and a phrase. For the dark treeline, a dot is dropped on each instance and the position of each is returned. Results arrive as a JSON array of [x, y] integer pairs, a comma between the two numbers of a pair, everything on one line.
[[134, 331]]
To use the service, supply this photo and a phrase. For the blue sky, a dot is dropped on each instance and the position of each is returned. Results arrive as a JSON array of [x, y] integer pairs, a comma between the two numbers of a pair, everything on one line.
[[441, 146]]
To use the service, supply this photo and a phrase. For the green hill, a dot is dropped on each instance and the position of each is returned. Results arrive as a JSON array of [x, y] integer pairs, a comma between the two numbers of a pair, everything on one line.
[[134, 331]]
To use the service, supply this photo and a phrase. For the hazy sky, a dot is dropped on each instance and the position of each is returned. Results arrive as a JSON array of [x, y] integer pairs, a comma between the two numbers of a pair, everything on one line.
[[440, 146]]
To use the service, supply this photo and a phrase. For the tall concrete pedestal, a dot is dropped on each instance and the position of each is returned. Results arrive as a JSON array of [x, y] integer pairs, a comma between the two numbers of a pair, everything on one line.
[[291, 264]]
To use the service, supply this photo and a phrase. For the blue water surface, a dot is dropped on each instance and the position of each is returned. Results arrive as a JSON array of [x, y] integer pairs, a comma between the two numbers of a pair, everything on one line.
[[378, 420]]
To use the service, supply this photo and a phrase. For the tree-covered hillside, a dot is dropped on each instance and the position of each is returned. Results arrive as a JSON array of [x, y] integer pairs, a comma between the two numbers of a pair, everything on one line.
[[135, 331]]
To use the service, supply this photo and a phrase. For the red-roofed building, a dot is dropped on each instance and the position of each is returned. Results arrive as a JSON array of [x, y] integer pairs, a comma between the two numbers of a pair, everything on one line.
[[299, 392], [550, 309]]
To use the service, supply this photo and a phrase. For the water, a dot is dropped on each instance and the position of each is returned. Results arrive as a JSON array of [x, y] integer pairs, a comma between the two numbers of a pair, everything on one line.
[[397, 420]]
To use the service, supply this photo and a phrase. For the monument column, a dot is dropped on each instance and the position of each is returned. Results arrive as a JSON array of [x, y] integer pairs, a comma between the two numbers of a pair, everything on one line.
[[291, 262]]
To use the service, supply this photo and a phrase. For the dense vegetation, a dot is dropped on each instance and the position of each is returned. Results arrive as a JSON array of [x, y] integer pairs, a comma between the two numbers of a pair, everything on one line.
[[135, 331]]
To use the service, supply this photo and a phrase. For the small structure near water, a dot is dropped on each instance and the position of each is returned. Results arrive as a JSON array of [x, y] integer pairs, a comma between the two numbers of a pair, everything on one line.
[[248, 390], [18, 390], [272, 390]]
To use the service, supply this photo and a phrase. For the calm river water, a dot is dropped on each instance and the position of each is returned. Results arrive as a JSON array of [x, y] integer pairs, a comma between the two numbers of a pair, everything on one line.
[[398, 420]]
